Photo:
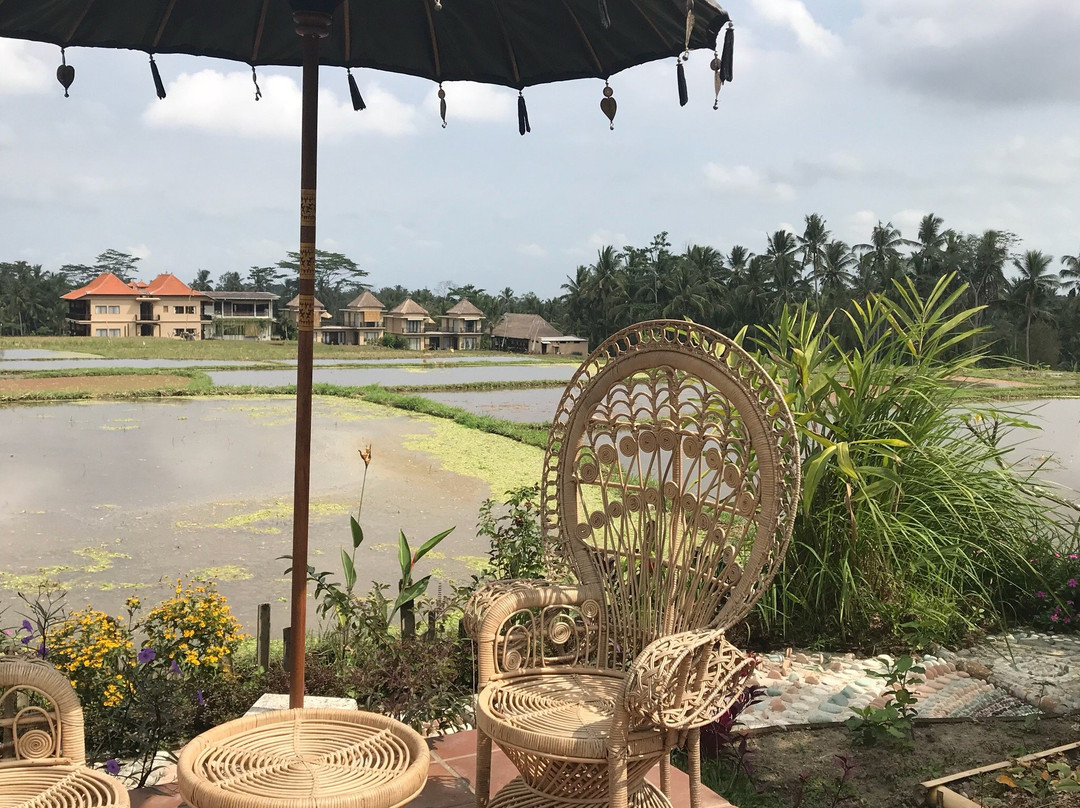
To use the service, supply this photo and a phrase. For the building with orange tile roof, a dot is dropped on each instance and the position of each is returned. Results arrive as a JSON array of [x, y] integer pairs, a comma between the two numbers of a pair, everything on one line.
[[108, 307]]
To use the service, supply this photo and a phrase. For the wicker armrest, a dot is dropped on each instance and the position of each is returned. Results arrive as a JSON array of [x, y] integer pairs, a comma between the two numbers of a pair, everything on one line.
[[684, 681], [512, 621]]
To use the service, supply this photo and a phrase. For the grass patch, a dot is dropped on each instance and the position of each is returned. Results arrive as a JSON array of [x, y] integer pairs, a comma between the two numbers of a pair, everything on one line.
[[246, 350], [482, 455]]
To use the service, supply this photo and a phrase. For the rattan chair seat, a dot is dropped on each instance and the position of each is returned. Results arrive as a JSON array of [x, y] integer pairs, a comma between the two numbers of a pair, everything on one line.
[[308, 757], [59, 786], [559, 714]]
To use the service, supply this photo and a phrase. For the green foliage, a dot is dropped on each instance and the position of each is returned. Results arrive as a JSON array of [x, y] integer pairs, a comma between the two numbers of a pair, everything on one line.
[[1044, 779], [408, 588], [140, 679], [895, 720], [909, 506], [516, 545], [30, 299]]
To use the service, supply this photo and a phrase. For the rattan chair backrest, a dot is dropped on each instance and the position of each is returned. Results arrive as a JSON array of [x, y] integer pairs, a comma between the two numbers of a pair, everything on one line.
[[671, 481], [40, 715]]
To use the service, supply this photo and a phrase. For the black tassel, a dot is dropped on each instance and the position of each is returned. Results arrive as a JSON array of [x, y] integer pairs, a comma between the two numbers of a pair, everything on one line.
[[255, 81], [157, 78], [523, 116], [605, 18], [727, 57], [442, 105], [357, 100], [680, 74]]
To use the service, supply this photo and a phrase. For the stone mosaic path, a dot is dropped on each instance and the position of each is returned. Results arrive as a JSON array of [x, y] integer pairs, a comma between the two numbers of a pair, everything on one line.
[[1042, 670], [1009, 675]]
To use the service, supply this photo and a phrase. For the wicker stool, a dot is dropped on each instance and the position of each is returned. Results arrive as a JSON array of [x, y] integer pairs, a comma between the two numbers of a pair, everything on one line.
[[41, 726], [304, 757]]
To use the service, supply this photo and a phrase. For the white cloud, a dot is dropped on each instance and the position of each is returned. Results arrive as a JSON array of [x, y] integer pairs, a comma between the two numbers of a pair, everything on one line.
[[21, 71], [532, 250], [994, 52], [793, 14], [599, 239], [224, 103], [139, 251], [907, 221], [468, 101], [1039, 162], [745, 180]]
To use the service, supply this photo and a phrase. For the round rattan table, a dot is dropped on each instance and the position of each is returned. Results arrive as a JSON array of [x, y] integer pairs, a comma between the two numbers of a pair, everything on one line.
[[59, 785], [314, 758]]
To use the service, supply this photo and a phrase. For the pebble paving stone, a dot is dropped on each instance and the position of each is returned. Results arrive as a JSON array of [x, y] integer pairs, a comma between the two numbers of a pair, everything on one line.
[[803, 688], [1042, 670]]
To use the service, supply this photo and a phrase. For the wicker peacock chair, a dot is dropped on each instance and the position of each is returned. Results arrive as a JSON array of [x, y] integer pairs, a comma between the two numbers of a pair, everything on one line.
[[670, 487], [42, 759]]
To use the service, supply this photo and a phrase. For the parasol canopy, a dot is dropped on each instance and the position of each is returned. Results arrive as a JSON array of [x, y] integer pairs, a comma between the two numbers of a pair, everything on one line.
[[514, 43]]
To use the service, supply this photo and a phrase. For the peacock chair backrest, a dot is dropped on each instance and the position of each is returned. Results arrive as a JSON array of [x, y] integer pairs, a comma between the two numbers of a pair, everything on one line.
[[671, 481]]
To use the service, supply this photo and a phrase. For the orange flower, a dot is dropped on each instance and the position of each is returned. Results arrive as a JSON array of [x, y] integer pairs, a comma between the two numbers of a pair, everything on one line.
[[365, 455]]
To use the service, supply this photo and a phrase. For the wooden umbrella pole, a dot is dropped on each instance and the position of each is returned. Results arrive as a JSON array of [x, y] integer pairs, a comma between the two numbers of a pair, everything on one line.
[[311, 27]]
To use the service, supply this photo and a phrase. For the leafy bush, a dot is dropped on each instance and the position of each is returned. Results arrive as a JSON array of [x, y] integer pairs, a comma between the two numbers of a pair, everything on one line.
[[393, 341], [895, 719], [1055, 606], [910, 508], [516, 548], [143, 696]]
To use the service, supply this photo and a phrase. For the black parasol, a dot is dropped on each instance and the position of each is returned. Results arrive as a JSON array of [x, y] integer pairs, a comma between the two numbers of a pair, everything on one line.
[[514, 43]]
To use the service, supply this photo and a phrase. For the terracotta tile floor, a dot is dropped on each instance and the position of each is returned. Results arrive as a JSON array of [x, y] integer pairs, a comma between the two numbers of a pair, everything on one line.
[[453, 766]]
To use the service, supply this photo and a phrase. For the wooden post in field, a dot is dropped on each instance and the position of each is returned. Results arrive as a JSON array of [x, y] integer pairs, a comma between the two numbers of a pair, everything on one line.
[[262, 637]]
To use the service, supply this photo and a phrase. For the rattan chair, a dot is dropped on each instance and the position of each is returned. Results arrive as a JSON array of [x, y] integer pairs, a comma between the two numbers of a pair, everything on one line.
[[42, 756], [670, 486]]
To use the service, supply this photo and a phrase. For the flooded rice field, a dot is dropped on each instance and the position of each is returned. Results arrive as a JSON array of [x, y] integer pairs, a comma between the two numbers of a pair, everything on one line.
[[108, 498], [393, 376], [535, 406]]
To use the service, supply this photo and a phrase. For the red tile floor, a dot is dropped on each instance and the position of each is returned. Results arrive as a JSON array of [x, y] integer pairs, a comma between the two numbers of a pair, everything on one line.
[[453, 766]]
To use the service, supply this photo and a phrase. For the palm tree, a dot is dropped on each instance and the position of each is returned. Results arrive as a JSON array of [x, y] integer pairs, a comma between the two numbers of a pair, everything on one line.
[[928, 258], [783, 265], [689, 291], [1033, 285], [1070, 276], [812, 243], [202, 281], [836, 272], [884, 246]]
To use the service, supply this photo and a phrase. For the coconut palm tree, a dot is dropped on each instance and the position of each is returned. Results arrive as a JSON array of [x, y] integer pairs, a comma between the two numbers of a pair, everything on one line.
[[1070, 276], [812, 243], [884, 247], [783, 265], [836, 273], [928, 258], [1033, 285]]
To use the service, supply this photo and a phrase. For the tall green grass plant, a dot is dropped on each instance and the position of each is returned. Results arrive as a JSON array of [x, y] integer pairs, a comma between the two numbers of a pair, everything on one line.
[[914, 522]]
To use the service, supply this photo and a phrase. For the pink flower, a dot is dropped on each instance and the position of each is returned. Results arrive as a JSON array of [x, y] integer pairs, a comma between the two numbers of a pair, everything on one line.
[[1054, 617], [1074, 556], [1072, 583], [1041, 595]]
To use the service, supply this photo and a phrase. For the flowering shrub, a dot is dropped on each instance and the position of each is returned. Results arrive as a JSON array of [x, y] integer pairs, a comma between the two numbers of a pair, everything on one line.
[[95, 651], [140, 696], [1056, 605], [194, 627]]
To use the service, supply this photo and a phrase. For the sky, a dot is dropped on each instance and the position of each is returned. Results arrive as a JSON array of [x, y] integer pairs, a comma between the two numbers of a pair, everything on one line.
[[859, 110]]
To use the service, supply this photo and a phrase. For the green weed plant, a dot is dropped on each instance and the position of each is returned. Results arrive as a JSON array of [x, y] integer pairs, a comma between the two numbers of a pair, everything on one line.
[[911, 508]]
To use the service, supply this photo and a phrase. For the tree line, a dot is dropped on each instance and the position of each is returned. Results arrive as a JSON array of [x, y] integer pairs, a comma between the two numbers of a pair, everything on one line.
[[1032, 311]]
